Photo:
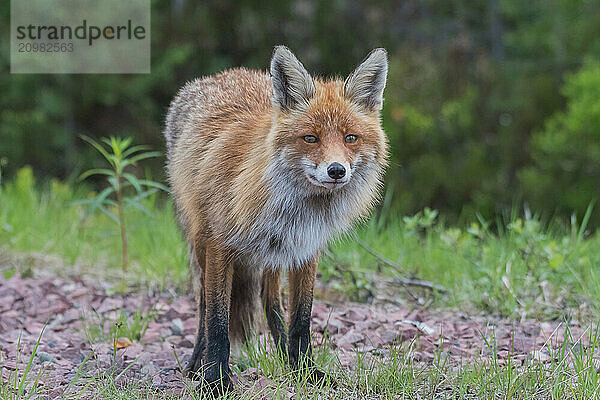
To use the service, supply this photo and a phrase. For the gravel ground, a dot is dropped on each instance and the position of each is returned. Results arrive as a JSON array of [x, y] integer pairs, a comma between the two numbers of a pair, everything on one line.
[[72, 308]]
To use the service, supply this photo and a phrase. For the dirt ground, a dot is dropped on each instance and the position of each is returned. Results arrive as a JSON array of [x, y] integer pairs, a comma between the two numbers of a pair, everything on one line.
[[27, 305]]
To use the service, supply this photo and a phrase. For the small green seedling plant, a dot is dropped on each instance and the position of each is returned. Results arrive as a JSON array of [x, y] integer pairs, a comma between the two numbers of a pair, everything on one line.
[[22, 385], [132, 326], [124, 188]]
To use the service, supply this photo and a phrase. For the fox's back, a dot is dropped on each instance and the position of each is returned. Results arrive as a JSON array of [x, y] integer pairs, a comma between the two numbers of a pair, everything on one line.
[[212, 130], [208, 107]]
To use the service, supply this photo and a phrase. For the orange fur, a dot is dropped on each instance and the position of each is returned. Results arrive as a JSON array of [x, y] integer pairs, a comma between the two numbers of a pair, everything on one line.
[[253, 194], [220, 158]]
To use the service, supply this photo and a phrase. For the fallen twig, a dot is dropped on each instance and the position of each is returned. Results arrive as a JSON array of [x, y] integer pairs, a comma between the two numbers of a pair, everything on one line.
[[420, 283], [399, 280], [378, 256]]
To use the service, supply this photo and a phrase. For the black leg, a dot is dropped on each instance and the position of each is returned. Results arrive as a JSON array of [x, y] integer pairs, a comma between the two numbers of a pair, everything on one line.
[[197, 266], [195, 363], [218, 280], [302, 281]]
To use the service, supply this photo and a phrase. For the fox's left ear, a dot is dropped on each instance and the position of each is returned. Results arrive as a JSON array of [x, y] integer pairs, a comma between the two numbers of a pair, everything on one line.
[[365, 85]]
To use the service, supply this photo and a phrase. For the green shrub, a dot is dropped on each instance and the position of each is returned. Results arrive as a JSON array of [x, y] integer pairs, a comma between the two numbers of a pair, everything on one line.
[[565, 175]]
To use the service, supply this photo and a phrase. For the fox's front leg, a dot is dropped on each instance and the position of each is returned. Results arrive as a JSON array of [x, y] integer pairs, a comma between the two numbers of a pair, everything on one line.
[[302, 282], [217, 289]]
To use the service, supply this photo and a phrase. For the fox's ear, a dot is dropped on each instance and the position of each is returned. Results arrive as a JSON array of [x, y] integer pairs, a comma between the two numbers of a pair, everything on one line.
[[365, 85], [292, 85]]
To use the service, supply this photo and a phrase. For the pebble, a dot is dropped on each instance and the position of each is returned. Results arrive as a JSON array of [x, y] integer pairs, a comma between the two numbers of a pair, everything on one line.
[[42, 356], [149, 369], [177, 327]]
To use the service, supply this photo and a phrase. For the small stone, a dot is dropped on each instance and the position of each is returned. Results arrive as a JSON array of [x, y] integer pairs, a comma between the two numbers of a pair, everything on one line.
[[185, 343], [177, 327], [42, 356], [165, 332], [149, 369], [388, 336], [348, 341], [172, 338], [357, 314]]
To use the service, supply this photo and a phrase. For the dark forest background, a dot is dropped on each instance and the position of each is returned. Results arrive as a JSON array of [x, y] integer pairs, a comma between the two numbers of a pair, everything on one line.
[[490, 104]]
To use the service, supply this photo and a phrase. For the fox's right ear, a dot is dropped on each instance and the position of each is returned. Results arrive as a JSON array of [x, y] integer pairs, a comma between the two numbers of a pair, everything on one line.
[[292, 84]]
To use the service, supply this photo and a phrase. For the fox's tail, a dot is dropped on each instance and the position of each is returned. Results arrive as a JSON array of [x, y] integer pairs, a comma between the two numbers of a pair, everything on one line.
[[245, 304]]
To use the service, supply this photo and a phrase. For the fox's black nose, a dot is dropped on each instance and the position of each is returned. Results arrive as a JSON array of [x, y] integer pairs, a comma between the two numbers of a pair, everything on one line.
[[336, 171]]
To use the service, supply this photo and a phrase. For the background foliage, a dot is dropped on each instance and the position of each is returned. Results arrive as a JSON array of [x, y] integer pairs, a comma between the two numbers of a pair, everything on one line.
[[489, 102]]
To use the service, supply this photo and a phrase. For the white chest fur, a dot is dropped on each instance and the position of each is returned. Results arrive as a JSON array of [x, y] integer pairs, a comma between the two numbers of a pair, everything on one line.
[[292, 227]]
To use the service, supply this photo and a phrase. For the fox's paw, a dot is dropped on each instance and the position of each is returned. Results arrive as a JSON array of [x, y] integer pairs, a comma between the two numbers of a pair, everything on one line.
[[215, 384], [217, 388], [306, 369], [314, 375]]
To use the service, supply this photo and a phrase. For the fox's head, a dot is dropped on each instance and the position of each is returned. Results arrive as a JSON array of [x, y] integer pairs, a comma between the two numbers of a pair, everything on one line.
[[329, 131]]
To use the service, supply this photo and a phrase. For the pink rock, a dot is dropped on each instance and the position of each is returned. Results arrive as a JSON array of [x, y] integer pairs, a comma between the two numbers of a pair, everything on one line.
[[349, 340]]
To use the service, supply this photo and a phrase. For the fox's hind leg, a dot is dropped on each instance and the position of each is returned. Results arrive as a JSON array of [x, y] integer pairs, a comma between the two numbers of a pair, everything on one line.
[[302, 282], [271, 299], [217, 284], [197, 267]]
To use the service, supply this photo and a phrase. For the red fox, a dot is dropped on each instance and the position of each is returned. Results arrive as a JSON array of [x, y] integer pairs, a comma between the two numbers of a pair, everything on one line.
[[265, 169]]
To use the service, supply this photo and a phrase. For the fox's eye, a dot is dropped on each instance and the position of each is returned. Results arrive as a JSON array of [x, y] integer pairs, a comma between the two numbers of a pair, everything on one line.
[[350, 138], [310, 139]]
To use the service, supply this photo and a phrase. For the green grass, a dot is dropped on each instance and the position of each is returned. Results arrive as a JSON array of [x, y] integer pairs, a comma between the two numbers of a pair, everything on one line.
[[22, 383], [527, 269], [524, 268], [571, 372], [48, 222]]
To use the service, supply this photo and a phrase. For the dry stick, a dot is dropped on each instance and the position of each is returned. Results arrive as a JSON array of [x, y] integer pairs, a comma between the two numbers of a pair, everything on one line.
[[421, 283], [402, 281]]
